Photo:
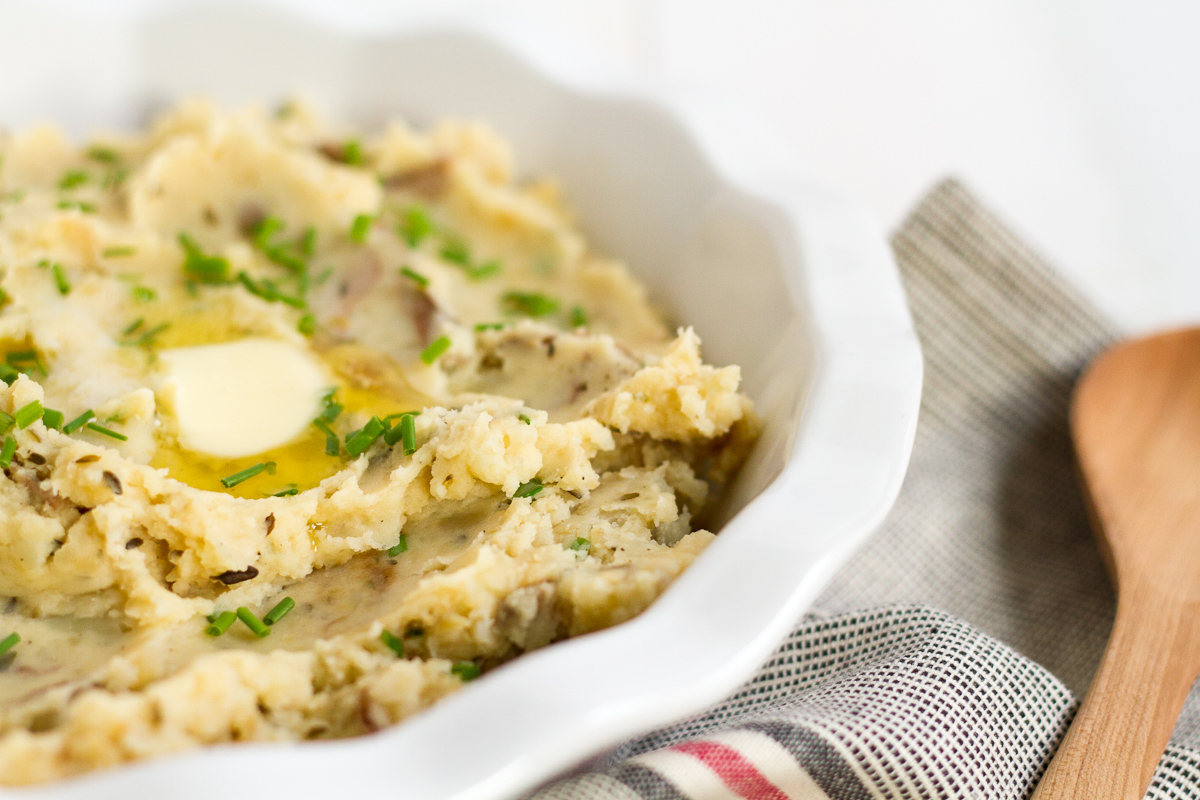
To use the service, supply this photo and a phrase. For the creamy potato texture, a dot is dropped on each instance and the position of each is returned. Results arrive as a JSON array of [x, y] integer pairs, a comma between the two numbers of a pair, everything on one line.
[[210, 335]]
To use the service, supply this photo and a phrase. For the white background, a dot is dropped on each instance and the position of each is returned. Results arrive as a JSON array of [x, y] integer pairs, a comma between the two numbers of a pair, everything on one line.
[[1078, 121]]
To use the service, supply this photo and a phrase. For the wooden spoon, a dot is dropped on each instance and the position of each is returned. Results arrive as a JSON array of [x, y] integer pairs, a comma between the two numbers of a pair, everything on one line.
[[1135, 419]]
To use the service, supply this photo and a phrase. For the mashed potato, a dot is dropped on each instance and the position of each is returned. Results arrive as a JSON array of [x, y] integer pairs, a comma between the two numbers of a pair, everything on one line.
[[251, 357]]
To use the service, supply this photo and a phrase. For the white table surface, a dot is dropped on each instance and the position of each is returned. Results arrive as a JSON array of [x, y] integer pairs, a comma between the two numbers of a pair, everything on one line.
[[1078, 120]]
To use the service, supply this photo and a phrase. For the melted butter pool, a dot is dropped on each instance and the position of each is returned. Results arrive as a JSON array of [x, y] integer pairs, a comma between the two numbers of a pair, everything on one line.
[[300, 465], [368, 383]]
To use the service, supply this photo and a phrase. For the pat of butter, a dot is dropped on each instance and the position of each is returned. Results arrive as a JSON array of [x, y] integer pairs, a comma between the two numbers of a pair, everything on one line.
[[242, 398]]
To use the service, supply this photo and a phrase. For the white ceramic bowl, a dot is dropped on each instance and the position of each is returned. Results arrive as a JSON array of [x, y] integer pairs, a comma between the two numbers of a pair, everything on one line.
[[790, 281]]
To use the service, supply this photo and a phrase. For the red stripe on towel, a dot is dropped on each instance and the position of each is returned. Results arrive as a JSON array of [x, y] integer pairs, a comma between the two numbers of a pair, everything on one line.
[[734, 771]]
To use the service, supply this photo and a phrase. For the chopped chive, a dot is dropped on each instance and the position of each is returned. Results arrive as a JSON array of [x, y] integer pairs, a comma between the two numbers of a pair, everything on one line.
[[9, 642], [332, 409], [308, 242], [415, 225], [281, 256], [360, 228], [133, 326], [103, 154], [456, 251], [29, 414], [103, 431], [394, 643], [439, 346], [525, 419], [484, 270], [408, 434], [400, 547], [3, 296], [489, 326], [201, 267], [331, 412], [7, 451], [280, 611], [288, 300], [579, 317], [267, 291], [333, 446], [147, 339], [265, 230], [323, 276], [220, 623], [392, 435], [25, 360], [405, 432], [529, 488], [579, 543], [531, 304], [307, 324], [143, 295], [415, 277], [86, 208], [466, 670], [149, 336], [79, 421], [246, 474], [60, 279], [252, 287], [118, 251], [291, 491], [73, 178], [352, 153], [361, 440], [52, 419], [252, 622], [8, 374], [115, 178], [6, 422]]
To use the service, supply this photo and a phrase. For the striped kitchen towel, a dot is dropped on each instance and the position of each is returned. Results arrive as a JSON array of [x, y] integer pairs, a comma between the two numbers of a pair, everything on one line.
[[988, 605]]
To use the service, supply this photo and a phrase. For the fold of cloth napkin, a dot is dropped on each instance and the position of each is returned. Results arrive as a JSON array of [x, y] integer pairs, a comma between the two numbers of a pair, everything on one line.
[[988, 605]]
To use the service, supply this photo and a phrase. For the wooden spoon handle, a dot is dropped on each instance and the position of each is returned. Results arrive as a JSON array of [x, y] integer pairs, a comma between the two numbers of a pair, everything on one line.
[[1118, 737]]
